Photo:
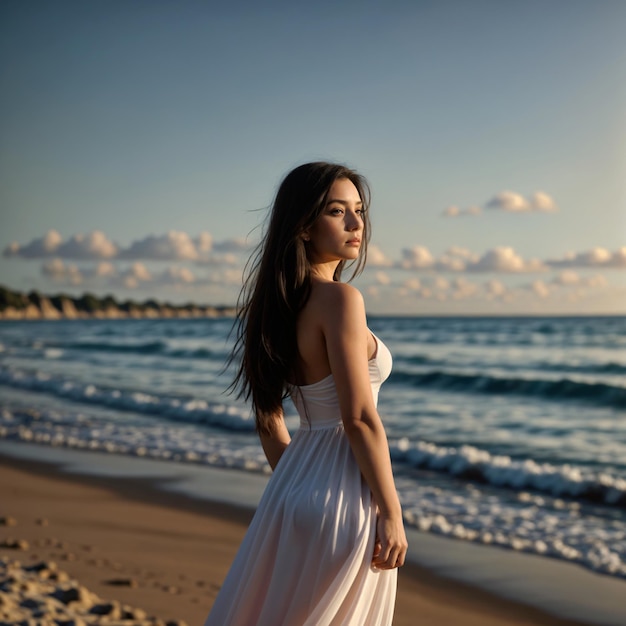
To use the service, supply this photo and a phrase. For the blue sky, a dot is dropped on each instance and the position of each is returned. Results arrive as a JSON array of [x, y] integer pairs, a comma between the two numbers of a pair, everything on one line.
[[142, 140]]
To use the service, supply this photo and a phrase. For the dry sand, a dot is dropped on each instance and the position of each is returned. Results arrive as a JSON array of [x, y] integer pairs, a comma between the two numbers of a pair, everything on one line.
[[174, 551]]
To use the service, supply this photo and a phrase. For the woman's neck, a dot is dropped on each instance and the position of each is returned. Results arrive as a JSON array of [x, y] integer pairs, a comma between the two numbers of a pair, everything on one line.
[[324, 271]]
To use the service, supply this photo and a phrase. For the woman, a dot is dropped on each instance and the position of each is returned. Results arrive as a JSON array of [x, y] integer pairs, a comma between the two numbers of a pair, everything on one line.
[[327, 537]]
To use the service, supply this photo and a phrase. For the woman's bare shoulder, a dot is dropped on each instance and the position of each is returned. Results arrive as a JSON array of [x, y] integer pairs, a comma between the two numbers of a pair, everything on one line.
[[337, 299]]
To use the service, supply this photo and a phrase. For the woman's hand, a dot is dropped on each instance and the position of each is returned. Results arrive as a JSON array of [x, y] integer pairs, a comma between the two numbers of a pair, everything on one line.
[[391, 544]]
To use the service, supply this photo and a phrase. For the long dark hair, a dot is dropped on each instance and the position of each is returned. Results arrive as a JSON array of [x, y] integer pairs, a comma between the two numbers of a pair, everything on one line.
[[277, 285]]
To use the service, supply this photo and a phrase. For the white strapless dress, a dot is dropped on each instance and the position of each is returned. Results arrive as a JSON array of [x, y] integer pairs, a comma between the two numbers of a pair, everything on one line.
[[306, 557]]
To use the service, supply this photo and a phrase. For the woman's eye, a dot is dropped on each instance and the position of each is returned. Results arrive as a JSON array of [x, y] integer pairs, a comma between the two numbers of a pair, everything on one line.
[[336, 211], [361, 212]]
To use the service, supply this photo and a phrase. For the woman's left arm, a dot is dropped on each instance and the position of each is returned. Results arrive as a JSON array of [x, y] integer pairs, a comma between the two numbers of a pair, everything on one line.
[[275, 444]]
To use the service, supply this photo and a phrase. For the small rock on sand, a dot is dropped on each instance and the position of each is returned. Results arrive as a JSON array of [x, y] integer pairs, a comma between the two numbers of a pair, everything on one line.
[[44, 569], [112, 610], [8, 521], [59, 577], [37, 567], [70, 593], [130, 613], [122, 582]]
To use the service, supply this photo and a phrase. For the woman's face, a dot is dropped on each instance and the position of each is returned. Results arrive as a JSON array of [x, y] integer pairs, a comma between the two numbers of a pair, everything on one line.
[[337, 233]]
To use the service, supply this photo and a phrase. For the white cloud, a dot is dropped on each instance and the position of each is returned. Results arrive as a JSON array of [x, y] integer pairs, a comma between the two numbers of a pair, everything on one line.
[[451, 264], [596, 257], [219, 259], [495, 288], [377, 258], [226, 277], [59, 271], [455, 259], [37, 248], [175, 245], [236, 244], [513, 202], [180, 246], [412, 284], [454, 211], [93, 245], [417, 257], [176, 276], [619, 258], [540, 288], [509, 201], [500, 259], [130, 282], [541, 201], [596, 281], [566, 278], [462, 253], [382, 278], [565, 287], [140, 272], [132, 276], [172, 246], [504, 259], [204, 242], [105, 268], [463, 288], [451, 211], [440, 283]]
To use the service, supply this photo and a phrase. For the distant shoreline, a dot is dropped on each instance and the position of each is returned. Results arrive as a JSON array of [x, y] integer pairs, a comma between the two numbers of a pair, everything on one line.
[[15, 305]]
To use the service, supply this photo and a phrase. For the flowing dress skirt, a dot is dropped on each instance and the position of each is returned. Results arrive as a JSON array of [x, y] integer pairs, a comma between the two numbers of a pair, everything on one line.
[[306, 558]]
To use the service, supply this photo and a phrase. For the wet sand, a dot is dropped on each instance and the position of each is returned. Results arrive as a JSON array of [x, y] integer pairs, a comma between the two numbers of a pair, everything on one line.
[[168, 553]]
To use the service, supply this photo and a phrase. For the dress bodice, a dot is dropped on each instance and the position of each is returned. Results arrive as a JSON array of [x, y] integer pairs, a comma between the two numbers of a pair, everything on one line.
[[318, 403]]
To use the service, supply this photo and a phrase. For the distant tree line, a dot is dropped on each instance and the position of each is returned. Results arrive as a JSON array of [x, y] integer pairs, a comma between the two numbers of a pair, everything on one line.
[[89, 303]]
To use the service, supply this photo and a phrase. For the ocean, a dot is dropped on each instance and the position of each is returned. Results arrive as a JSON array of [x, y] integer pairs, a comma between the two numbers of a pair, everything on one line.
[[503, 431]]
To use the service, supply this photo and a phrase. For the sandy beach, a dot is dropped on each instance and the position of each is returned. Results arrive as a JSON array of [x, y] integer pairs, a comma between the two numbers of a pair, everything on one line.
[[166, 554]]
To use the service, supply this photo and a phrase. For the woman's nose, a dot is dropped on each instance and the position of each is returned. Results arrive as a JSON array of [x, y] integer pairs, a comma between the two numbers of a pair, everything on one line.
[[353, 222]]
